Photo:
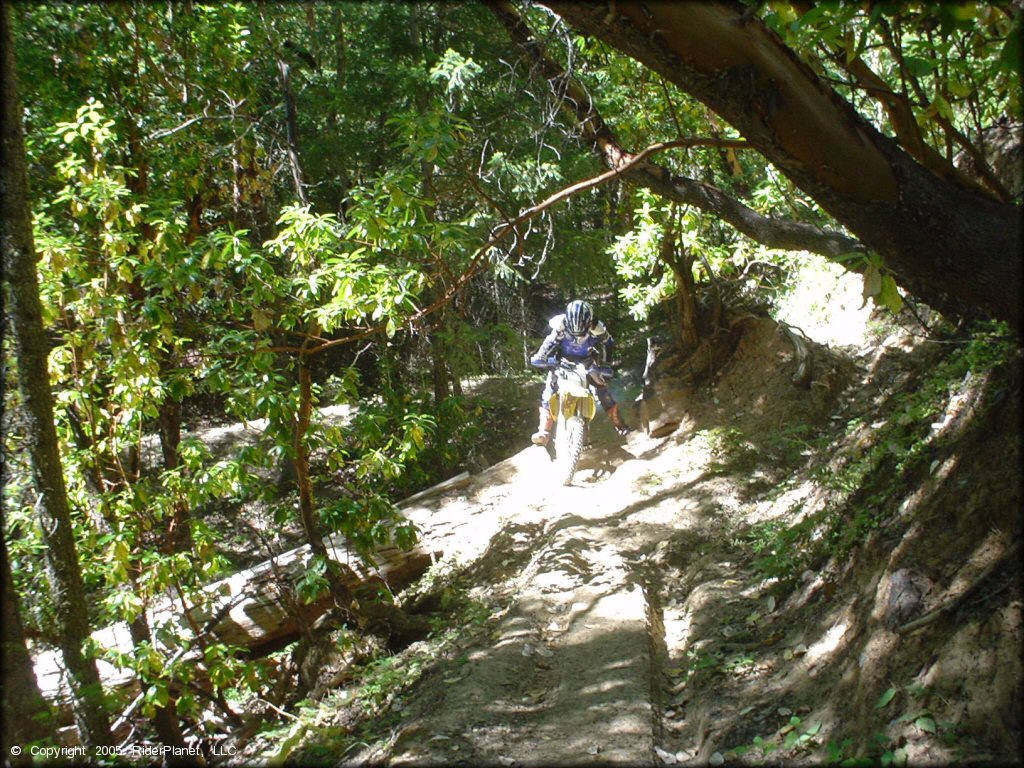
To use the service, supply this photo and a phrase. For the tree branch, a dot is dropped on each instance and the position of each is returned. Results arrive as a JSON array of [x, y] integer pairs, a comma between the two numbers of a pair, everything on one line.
[[904, 123], [774, 233]]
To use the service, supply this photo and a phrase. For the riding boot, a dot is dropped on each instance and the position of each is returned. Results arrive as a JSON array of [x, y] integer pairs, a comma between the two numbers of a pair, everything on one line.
[[620, 426], [543, 433]]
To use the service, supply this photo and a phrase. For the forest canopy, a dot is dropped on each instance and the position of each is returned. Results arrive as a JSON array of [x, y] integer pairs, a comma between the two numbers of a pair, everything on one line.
[[246, 212]]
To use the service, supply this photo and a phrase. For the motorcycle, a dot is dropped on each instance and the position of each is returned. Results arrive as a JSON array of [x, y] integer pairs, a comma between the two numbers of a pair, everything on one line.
[[572, 406]]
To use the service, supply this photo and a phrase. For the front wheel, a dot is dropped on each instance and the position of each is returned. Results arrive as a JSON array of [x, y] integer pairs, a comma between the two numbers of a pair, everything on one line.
[[571, 439]]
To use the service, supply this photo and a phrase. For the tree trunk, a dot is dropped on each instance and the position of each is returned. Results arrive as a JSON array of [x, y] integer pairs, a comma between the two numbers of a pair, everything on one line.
[[292, 126], [438, 368], [165, 719], [436, 338], [307, 511], [26, 716], [682, 268], [931, 231], [454, 352], [382, 618], [179, 533], [32, 350], [256, 608], [683, 271]]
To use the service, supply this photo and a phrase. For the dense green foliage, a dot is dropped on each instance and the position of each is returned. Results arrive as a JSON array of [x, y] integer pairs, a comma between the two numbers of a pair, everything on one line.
[[227, 195]]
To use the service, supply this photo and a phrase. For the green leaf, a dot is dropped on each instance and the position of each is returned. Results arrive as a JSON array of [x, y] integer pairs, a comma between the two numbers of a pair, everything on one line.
[[917, 67], [848, 256], [158, 695], [959, 89], [886, 697], [835, 750], [260, 320], [926, 724], [288, 743], [943, 108], [872, 284], [1010, 55], [889, 295]]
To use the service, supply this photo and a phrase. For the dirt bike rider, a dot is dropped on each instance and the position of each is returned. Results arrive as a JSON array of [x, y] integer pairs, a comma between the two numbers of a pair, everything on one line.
[[577, 337]]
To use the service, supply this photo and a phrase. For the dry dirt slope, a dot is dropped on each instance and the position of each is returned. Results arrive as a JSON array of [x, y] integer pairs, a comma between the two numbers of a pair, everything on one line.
[[632, 622]]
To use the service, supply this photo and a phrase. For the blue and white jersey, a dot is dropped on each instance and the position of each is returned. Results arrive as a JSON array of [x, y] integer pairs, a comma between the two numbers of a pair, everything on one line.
[[596, 345]]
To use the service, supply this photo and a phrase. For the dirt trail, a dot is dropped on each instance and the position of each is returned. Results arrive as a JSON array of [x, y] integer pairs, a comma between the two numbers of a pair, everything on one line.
[[568, 674], [574, 672]]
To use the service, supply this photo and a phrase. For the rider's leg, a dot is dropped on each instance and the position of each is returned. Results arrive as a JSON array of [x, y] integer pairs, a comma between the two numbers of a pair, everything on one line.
[[620, 426], [545, 422], [612, 409]]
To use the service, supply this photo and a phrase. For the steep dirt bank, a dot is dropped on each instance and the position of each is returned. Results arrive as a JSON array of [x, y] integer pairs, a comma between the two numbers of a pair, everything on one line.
[[857, 657], [821, 571]]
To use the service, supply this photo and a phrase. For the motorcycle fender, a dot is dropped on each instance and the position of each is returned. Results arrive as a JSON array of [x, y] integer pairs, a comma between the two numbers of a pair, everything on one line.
[[585, 405]]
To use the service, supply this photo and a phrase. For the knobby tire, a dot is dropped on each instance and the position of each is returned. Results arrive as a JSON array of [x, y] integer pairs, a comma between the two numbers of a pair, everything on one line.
[[570, 444]]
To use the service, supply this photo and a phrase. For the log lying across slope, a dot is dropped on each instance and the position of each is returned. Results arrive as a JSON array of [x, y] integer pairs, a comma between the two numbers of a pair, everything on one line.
[[256, 608], [261, 609]]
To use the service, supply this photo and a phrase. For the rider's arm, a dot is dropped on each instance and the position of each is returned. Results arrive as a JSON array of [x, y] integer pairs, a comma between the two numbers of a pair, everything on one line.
[[542, 358], [607, 350], [604, 344]]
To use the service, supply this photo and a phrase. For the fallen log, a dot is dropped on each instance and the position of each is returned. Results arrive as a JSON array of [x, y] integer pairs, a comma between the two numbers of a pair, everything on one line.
[[267, 609], [257, 608], [260, 611], [459, 481]]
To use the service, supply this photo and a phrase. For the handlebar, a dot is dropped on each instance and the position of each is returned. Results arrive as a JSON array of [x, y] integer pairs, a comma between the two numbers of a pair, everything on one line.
[[550, 363], [603, 371]]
